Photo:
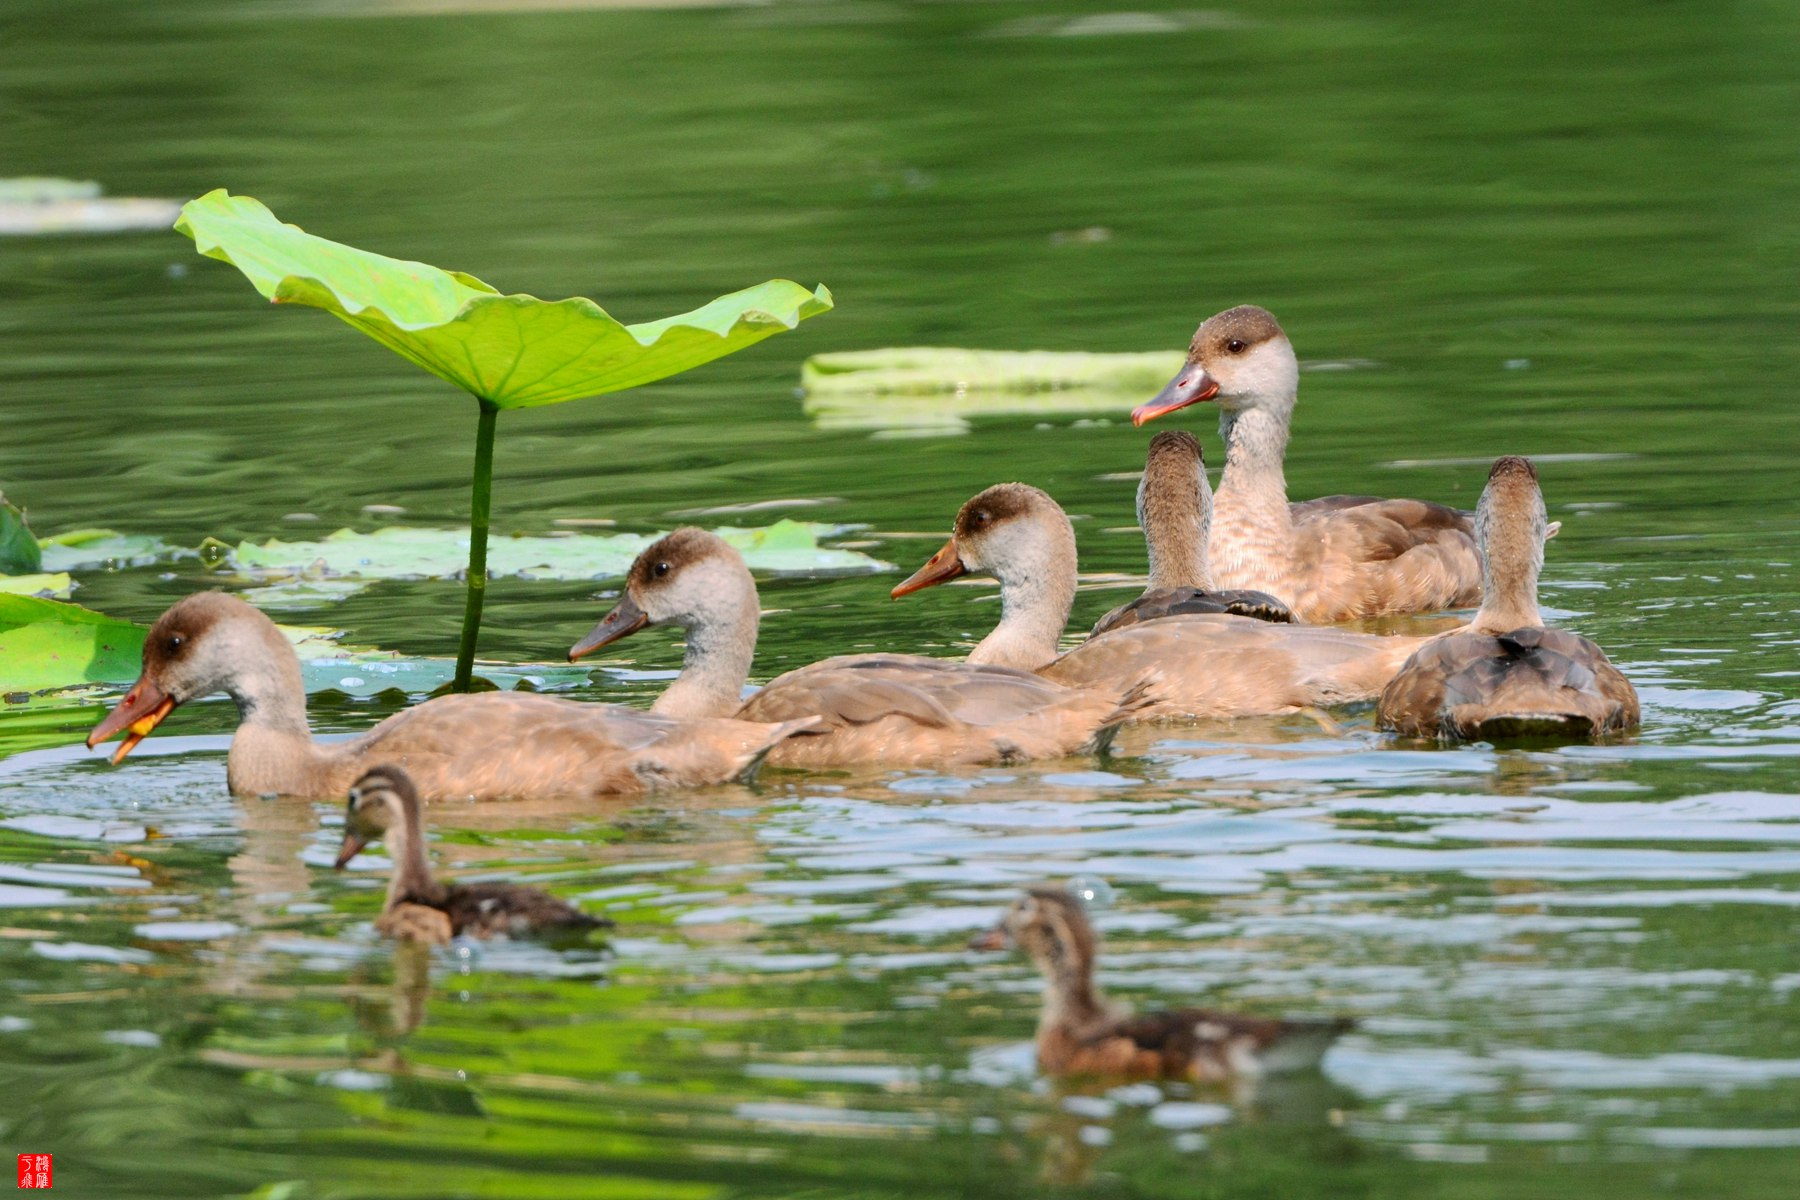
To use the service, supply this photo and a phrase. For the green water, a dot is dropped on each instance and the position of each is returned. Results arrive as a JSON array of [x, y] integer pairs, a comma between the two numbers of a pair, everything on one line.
[[1543, 229]]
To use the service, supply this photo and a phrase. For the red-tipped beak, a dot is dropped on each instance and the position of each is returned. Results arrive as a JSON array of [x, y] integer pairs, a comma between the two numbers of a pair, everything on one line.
[[1190, 387], [625, 619], [350, 849], [946, 564], [142, 710], [989, 940]]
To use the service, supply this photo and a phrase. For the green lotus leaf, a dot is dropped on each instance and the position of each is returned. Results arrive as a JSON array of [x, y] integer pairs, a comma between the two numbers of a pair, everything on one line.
[[398, 552], [45, 644], [57, 584], [514, 351], [105, 549], [19, 553]]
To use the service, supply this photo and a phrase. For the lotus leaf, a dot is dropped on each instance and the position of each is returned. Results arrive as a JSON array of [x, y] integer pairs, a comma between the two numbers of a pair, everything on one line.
[[57, 584], [19, 553], [105, 549], [513, 351], [46, 644]]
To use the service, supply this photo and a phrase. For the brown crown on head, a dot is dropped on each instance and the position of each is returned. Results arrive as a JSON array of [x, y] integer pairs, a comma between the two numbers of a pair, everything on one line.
[[1073, 915], [1513, 466], [387, 778], [185, 622], [1246, 323], [1177, 445], [1002, 502], [686, 545]]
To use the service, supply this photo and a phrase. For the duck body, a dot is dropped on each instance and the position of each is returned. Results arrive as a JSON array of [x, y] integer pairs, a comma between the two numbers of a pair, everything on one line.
[[1081, 1033], [887, 709], [1506, 675], [384, 803], [1332, 559], [485, 745], [1195, 665]]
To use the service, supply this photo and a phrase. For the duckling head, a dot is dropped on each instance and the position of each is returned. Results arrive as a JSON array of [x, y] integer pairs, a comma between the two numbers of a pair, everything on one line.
[[1052, 929], [690, 578], [1239, 358], [377, 803], [1011, 531], [208, 642]]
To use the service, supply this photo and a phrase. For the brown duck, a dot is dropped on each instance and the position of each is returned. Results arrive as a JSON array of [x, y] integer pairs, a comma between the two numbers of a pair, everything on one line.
[[384, 805], [893, 709], [1200, 665], [1330, 559], [485, 745], [1506, 675], [1080, 1033], [1174, 507]]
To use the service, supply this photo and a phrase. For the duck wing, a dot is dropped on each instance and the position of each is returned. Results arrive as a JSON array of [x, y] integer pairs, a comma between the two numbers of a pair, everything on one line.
[[1168, 602], [1359, 557], [1208, 1045], [1529, 682], [515, 911]]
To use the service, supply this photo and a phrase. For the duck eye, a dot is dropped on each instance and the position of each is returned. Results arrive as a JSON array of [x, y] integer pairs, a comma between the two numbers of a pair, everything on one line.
[[660, 569], [1235, 346], [175, 643], [982, 518]]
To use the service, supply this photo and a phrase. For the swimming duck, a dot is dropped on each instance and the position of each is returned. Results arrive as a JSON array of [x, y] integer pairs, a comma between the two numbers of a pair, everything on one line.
[[1080, 1033], [894, 709], [483, 745], [1506, 675], [384, 804], [1174, 507], [1330, 559], [1206, 664]]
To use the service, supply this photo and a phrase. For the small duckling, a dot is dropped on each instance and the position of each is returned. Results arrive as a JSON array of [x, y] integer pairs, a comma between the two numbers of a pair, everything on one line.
[[384, 804], [1080, 1033]]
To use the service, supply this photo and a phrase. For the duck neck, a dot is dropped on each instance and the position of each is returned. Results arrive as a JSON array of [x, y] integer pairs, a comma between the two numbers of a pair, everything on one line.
[[406, 846], [1252, 523], [1070, 997], [273, 750], [1037, 591], [1512, 556], [721, 643], [1174, 515]]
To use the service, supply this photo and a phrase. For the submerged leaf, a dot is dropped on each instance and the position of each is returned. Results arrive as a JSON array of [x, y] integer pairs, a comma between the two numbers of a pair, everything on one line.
[[515, 351], [19, 553], [399, 552]]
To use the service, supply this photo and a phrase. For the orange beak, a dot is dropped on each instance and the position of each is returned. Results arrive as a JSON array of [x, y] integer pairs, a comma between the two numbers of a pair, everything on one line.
[[625, 619], [990, 940], [1190, 387], [142, 710], [945, 565], [350, 849]]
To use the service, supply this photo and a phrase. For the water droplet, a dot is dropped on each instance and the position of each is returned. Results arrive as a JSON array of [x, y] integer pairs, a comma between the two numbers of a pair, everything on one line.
[[1092, 891]]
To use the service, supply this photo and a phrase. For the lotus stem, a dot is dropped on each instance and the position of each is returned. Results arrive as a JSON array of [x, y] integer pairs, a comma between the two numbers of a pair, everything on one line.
[[481, 494]]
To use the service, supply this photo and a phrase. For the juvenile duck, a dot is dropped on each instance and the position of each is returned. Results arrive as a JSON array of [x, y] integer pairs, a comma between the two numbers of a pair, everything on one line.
[[1205, 664], [896, 709], [1506, 675], [384, 804], [485, 745], [1174, 507], [1331, 559], [1080, 1033]]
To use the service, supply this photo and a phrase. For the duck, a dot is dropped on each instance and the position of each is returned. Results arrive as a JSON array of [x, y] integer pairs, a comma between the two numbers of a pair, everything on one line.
[[1174, 507], [1506, 675], [1081, 1033], [888, 709], [384, 804], [1337, 558], [483, 745], [1205, 665]]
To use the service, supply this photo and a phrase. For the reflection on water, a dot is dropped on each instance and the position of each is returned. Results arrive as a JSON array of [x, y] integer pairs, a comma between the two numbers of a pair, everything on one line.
[[1574, 968]]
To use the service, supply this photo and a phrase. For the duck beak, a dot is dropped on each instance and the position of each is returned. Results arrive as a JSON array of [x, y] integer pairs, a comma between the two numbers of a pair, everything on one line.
[[1190, 387], [989, 940], [350, 849], [945, 565], [625, 619], [142, 710]]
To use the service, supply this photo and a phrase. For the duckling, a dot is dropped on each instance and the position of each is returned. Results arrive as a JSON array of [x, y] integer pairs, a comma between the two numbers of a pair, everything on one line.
[[894, 709], [1206, 665], [1506, 675], [513, 745], [1331, 559], [384, 804], [1174, 507], [1080, 1033]]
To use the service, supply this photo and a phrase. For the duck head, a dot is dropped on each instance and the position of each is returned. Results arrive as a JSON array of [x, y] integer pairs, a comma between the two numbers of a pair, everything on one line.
[[378, 802], [1008, 531], [1050, 926], [690, 578], [1239, 358], [206, 643]]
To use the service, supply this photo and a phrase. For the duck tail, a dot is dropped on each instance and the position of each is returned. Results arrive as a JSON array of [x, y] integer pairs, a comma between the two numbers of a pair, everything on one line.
[[1301, 1044], [1132, 704]]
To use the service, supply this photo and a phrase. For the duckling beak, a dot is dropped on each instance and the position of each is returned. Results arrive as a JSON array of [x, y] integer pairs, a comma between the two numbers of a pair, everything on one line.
[[1190, 387], [945, 565], [350, 849], [990, 940], [142, 710], [625, 619]]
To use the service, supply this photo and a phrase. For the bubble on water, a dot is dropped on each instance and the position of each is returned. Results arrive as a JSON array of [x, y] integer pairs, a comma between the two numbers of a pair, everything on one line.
[[1093, 891]]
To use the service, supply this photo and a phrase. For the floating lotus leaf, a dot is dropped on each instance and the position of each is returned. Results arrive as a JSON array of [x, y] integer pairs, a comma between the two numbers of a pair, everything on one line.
[[105, 549], [513, 351], [46, 644], [19, 553], [55, 584], [398, 552]]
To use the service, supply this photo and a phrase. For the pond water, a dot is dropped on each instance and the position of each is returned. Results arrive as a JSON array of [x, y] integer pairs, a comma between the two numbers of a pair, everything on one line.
[[1570, 233]]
